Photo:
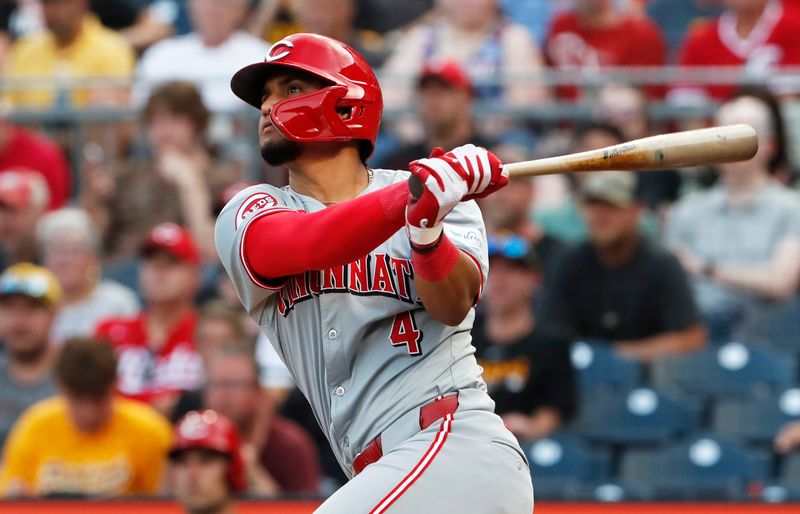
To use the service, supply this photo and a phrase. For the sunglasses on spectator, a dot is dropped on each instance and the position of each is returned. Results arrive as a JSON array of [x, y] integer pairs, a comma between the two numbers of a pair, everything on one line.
[[514, 248]]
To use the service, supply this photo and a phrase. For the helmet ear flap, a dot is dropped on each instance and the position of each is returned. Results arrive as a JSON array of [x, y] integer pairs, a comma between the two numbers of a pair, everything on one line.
[[314, 116]]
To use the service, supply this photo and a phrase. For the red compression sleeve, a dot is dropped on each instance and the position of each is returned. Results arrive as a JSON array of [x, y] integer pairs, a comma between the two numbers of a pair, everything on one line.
[[434, 266], [287, 243]]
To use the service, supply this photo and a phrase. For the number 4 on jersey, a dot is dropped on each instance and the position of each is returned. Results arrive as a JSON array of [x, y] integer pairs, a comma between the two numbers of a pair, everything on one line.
[[405, 332]]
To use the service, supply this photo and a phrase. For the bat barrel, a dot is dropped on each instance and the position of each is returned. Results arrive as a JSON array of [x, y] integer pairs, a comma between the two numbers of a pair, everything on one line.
[[689, 148]]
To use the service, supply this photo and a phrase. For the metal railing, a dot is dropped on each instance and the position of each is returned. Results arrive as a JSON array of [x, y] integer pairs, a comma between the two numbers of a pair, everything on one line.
[[72, 122]]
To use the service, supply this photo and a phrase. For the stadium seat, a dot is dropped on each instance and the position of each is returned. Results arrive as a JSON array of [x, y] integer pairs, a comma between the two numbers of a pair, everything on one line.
[[777, 492], [608, 492], [599, 368], [756, 419], [639, 416], [562, 464], [698, 468], [731, 369]]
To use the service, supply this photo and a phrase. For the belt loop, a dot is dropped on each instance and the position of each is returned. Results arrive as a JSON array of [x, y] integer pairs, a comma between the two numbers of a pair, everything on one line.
[[437, 409]]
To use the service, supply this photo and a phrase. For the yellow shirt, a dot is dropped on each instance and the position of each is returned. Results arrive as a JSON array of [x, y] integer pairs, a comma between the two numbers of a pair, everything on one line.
[[97, 52], [45, 453]]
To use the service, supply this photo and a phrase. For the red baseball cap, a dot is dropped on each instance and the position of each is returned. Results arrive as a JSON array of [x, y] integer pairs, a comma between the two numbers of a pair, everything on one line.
[[20, 189], [448, 72], [174, 239], [209, 430]]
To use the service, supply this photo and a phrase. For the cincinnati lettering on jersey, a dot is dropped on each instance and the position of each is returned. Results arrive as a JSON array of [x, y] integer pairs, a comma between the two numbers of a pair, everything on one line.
[[375, 274]]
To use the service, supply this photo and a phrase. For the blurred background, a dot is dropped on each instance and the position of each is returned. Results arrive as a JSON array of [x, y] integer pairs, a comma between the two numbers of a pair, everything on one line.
[[640, 334]]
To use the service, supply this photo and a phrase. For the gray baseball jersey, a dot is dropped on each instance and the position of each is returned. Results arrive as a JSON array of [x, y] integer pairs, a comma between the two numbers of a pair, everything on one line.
[[356, 338]]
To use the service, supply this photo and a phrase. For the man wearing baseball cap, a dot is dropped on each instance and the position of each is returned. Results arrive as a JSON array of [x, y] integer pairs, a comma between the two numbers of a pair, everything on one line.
[[29, 299], [617, 287], [446, 95], [157, 357], [526, 367], [206, 463]]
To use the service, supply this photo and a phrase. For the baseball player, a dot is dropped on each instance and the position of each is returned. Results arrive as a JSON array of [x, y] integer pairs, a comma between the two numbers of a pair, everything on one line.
[[367, 294]]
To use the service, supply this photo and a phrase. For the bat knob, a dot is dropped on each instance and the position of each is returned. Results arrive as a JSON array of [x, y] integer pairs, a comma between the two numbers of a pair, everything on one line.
[[415, 186]]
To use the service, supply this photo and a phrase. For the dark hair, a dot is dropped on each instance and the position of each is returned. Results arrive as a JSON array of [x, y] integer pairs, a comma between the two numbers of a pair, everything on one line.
[[778, 160], [178, 98], [86, 368]]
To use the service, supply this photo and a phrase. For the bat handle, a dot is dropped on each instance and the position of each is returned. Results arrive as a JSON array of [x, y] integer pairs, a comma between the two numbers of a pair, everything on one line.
[[415, 186]]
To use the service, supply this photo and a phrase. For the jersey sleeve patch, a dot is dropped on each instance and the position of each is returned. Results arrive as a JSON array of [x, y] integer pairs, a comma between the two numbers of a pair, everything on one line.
[[254, 204]]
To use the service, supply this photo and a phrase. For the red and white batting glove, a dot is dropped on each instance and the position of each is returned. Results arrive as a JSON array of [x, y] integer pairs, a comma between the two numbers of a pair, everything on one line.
[[443, 186], [484, 171], [464, 173]]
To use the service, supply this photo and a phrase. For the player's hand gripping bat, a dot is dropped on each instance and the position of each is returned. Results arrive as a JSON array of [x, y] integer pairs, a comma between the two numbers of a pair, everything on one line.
[[665, 151]]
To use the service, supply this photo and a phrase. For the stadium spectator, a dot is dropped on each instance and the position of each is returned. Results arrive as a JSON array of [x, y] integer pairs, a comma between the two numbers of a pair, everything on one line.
[[218, 324], [445, 94], [23, 201], [23, 149], [596, 34], [29, 298], [758, 35], [86, 441], [619, 288], [176, 182], [477, 35], [206, 464], [625, 107], [74, 47], [156, 349], [208, 57], [563, 220], [279, 456], [740, 240], [70, 248], [527, 370]]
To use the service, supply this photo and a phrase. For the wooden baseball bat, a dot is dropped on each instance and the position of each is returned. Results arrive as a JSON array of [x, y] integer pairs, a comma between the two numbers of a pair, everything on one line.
[[665, 151], [712, 145]]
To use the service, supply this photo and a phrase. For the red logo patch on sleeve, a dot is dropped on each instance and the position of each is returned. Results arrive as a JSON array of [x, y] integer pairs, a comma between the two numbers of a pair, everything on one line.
[[254, 203]]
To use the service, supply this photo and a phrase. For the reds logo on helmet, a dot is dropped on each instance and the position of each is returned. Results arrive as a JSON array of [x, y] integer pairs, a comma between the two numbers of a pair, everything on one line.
[[252, 204], [282, 43]]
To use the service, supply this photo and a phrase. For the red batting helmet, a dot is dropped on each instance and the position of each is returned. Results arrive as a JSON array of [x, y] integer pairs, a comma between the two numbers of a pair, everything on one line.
[[315, 117], [208, 430]]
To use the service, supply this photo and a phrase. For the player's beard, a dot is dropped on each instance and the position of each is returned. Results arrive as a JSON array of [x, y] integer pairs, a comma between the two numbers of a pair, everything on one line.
[[280, 151]]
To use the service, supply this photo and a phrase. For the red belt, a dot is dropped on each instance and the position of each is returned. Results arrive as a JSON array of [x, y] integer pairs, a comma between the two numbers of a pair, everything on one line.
[[428, 413]]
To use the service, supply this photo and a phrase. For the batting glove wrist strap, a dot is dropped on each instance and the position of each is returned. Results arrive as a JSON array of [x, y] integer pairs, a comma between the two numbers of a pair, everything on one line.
[[424, 240]]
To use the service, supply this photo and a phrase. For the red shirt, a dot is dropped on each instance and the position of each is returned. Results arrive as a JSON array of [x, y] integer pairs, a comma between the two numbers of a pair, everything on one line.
[[774, 41], [143, 374], [29, 150], [290, 457], [635, 41]]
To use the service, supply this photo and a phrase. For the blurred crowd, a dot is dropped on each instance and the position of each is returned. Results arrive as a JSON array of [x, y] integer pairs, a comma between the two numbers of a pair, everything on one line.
[[127, 364]]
